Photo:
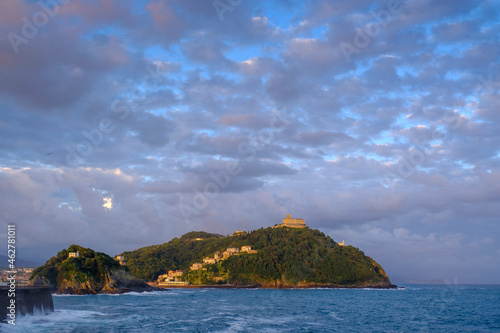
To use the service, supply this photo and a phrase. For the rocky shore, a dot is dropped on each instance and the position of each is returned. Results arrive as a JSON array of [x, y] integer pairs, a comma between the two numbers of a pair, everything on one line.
[[116, 282], [282, 286]]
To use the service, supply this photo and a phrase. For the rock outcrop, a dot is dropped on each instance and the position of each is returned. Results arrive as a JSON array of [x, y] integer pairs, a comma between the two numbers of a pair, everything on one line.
[[113, 282]]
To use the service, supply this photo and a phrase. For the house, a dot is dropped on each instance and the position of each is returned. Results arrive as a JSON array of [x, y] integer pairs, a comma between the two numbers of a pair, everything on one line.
[[208, 260], [239, 232], [217, 255], [121, 260], [171, 276], [229, 252], [74, 254], [246, 248], [176, 273], [196, 266], [162, 277]]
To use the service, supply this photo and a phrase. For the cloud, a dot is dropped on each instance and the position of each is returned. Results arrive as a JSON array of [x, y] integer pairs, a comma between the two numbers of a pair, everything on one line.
[[397, 144]]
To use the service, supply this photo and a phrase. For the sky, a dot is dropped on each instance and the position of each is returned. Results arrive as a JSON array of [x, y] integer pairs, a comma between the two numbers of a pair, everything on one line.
[[128, 123]]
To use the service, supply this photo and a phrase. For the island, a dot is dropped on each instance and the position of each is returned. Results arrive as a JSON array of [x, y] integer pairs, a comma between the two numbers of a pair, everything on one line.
[[79, 270], [288, 255]]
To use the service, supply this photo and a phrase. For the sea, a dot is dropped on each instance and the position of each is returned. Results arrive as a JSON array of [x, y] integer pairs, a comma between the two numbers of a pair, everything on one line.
[[414, 308]]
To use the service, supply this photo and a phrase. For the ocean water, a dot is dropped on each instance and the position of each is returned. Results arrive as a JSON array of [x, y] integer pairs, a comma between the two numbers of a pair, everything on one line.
[[418, 308]]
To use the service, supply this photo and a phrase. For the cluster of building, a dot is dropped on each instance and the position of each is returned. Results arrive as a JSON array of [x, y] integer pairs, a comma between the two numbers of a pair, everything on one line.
[[22, 276], [172, 278], [218, 256]]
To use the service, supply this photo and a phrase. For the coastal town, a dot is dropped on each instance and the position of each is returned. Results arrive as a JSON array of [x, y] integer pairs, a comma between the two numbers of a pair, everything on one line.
[[22, 276], [174, 278]]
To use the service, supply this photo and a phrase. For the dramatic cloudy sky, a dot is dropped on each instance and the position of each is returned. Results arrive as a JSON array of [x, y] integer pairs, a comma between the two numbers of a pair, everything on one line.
[[127, 123]]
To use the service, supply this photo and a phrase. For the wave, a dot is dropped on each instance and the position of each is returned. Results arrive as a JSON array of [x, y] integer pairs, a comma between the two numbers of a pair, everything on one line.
[[334, 316], [32, 323], [132, 293], [143, 293]]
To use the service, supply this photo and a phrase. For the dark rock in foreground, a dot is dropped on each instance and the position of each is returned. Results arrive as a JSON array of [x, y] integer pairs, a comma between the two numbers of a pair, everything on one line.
[[29, 301]]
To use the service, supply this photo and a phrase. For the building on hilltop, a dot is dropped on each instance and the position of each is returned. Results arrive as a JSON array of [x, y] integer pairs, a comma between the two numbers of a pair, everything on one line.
[[341, 244], [121, 260], [239, 232], [293, 222], [74, 254]]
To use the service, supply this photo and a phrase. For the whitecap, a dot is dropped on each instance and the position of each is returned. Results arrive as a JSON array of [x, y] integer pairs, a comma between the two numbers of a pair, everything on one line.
[[334, 316]]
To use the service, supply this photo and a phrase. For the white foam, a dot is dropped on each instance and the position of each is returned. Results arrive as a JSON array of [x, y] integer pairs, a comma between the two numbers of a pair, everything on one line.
[[334, 316], [32, 323], [143, 293]]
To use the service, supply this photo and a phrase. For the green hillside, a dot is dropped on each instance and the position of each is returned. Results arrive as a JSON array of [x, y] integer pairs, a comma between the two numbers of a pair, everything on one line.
[[285, 257], [90, 273]]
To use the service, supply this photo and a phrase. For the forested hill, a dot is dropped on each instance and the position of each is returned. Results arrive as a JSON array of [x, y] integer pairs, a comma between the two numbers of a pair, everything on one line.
[[90, 272], [285, 257]]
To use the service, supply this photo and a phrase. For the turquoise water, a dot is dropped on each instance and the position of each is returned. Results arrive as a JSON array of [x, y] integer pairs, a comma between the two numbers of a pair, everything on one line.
[[418, 308]]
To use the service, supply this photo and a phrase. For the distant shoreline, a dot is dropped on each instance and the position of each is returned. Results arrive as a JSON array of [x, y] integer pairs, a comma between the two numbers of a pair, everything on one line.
[[312, 286]]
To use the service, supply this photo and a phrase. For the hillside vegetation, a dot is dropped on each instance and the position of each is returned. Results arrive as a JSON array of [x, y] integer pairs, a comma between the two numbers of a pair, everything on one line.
[[91, 273], [285, 257]]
